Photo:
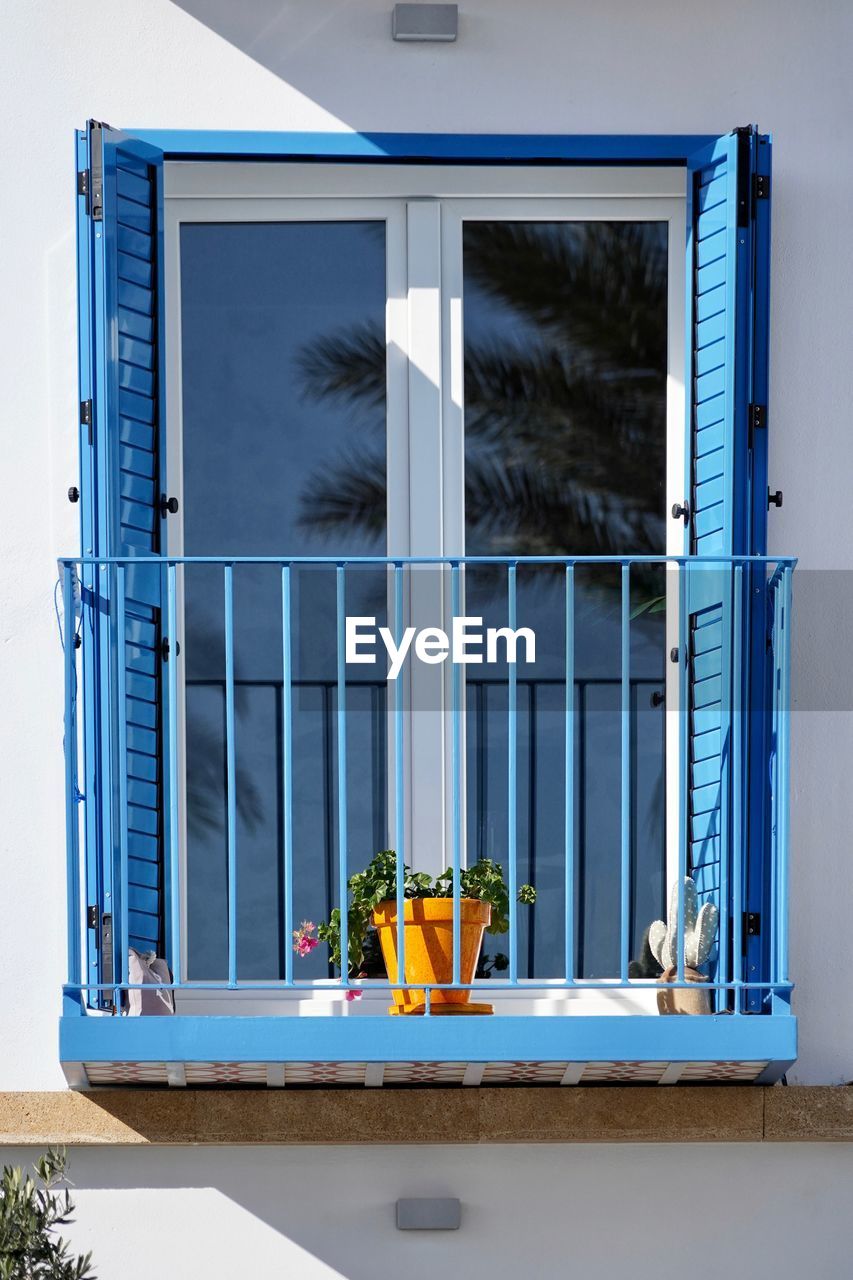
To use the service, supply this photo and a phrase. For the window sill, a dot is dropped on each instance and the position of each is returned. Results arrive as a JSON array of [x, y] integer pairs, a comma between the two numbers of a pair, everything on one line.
[[163, 1117]]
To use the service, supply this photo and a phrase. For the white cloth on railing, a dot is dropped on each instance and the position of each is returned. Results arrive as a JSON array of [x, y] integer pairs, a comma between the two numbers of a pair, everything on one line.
[[144, 968]]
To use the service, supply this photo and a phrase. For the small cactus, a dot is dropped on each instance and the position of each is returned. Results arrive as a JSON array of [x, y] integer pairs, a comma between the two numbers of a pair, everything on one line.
[[645, 965], [700, 930]]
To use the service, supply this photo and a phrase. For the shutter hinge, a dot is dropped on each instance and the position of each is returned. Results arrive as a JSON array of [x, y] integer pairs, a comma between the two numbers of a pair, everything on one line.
[[760, 187], [103, 926], [751, 926], [83, 185], [86, 416], [744, 136], [757, 420], [96, 171], [166, 648], [107, 962]]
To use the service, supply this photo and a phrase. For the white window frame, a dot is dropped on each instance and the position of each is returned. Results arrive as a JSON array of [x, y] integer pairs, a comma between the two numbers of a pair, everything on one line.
[[424, 208]]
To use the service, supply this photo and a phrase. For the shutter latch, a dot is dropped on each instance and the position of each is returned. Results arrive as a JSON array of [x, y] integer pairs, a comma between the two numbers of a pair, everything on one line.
[[166, 648], [681, 511]]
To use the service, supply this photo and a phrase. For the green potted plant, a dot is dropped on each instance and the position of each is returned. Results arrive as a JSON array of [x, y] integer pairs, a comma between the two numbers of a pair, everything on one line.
[[428, 923]]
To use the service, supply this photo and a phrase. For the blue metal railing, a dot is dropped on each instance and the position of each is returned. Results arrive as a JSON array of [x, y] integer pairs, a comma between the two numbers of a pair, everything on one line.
[[105, 594], [482, 764]]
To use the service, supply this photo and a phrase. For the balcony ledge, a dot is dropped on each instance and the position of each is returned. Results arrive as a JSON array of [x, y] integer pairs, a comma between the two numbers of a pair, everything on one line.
[[187, 1050]]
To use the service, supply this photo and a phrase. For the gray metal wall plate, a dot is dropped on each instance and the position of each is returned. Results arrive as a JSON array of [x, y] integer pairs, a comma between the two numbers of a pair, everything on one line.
[[429, 1214], [425, 21]]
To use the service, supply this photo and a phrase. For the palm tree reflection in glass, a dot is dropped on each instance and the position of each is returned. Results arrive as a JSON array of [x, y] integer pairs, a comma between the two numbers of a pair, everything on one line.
[[565, 453], [565, 394]]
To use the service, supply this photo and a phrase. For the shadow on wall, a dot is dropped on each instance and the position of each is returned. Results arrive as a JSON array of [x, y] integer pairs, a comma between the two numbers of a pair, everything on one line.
[[321, 1213], [340, 55], [302, 43]]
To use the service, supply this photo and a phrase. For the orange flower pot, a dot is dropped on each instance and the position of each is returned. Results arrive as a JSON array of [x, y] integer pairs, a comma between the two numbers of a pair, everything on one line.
[[428, 923]]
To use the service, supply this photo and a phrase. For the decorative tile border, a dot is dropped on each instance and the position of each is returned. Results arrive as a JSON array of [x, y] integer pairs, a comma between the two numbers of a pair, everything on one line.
[[437, 1073]]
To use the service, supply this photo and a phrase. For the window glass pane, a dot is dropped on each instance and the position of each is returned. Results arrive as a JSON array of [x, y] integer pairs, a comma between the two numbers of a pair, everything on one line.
[[283, 386], [565, 454]]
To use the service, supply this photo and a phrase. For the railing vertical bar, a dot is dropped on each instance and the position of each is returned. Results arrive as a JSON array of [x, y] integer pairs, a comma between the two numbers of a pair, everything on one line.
[[287, 769], [784, 771], [231, 774], [775, 738], [481, 790], [773, 765], [122, 934], [735, 890], [728, 700], [512, 784], [625, 870], [570, 776], [684, 755], [340, 592], [72, 826], [399, 814], [456, 779], [172, 727]]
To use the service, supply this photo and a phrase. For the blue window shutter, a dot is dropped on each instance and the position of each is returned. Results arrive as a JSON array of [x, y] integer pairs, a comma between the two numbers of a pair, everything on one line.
[[120, 274], [727, 274]]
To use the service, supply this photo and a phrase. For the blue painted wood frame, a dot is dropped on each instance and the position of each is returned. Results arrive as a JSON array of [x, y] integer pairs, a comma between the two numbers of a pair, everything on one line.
[[711, 407], [429, 148], [96, 511], [745, 698], [88, 542], [103, 382], [748, 514], [756, 690]]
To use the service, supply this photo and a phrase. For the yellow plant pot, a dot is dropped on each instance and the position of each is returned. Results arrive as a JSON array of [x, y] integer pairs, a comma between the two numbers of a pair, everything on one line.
[[428, 924]]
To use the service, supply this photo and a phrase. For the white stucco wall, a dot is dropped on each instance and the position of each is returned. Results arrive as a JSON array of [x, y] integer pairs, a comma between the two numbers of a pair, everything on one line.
[[319, 1213], [545, 65]]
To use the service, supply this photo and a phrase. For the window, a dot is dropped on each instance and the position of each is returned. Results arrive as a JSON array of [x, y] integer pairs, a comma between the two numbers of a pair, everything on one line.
[[266, 313], [523, 409]]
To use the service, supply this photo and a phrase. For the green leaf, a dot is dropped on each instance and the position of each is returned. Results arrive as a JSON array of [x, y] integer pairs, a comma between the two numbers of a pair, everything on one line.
[[656, 605]]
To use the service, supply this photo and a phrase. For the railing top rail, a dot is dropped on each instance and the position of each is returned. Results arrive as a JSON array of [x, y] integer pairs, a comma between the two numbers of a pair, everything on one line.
[[392, 560]]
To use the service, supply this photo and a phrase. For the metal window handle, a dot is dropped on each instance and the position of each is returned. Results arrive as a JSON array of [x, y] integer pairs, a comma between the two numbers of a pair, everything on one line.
[[168, 506], [774, 499], [681, 511], [657, 699]]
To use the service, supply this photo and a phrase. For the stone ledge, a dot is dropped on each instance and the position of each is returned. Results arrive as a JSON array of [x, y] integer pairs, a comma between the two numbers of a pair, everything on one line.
[[809, 1113], [636, 1113], [702, 1113], [161, 1117]]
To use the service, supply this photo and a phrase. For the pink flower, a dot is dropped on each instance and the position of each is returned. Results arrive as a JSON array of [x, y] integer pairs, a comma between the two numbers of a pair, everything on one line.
[[354, 995], [303, 942]]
